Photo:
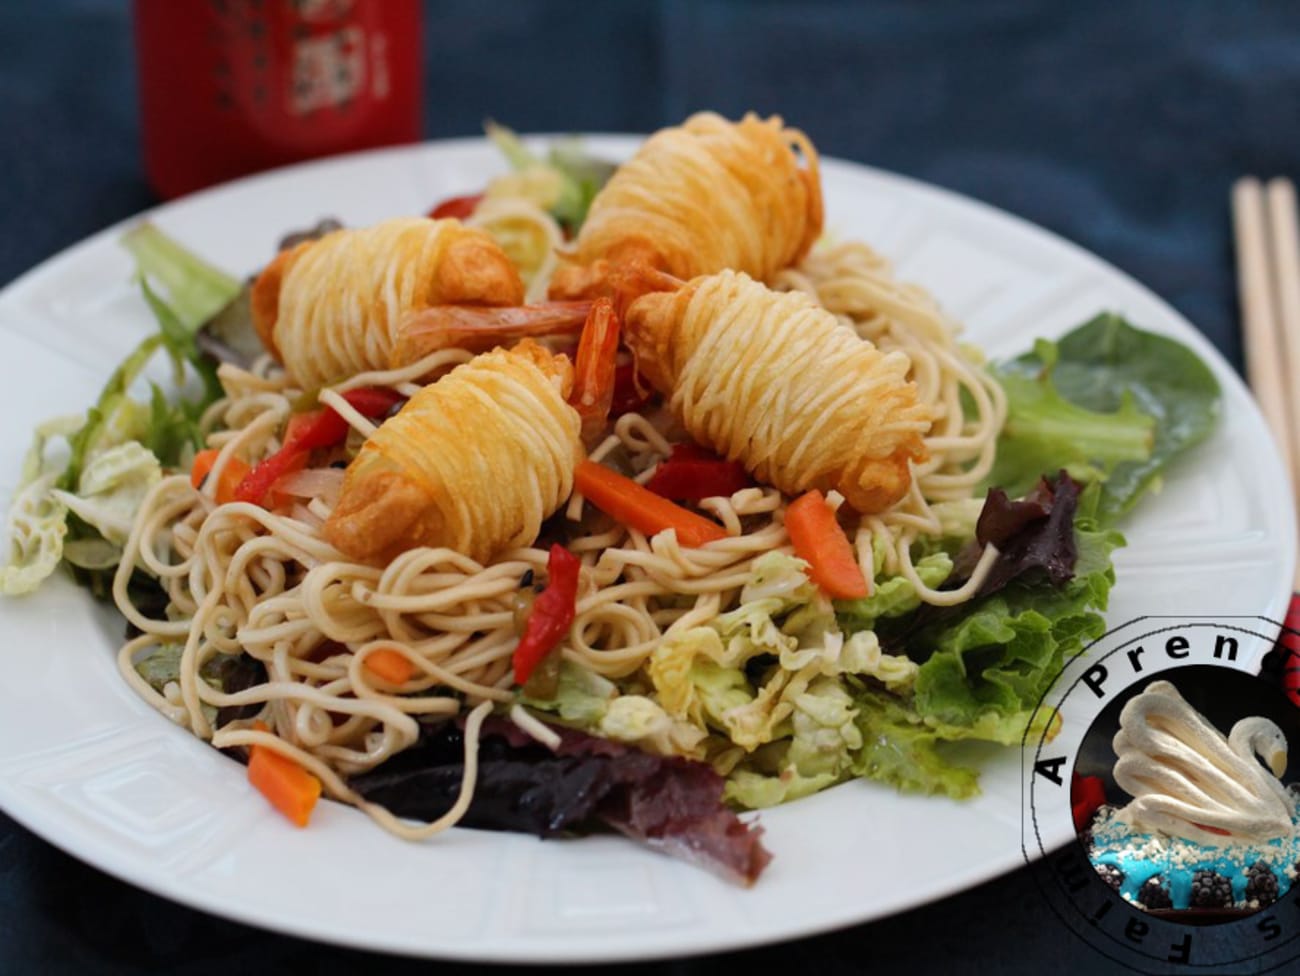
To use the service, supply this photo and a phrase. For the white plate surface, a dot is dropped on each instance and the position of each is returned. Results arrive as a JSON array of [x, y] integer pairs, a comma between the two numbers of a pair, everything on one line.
[[89, 767]]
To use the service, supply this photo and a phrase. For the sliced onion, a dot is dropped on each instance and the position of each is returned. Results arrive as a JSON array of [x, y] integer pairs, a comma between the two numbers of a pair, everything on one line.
[[323, 483]]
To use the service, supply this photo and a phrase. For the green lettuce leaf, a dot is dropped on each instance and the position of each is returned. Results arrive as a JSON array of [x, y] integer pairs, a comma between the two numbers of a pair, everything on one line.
[[899, 748], [987, 669], [755, 791], [121, 441], [1108, 402], [894, 596], [196, 290], [114, 419]]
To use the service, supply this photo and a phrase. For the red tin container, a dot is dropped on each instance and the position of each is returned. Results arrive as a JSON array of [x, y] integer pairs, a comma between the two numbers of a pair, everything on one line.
[[228, 87]]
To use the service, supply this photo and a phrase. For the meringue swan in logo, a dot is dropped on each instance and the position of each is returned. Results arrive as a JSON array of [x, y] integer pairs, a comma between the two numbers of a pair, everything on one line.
[[1188, 780]]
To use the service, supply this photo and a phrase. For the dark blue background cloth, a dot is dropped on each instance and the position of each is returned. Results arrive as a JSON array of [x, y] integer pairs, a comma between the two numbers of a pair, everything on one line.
[[1120, 126]]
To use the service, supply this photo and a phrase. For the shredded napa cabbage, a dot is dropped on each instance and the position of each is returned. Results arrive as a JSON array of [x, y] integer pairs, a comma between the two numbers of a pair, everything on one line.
[[585, 700], [38, 521], [77, 505], [112, 487], [767, 679]]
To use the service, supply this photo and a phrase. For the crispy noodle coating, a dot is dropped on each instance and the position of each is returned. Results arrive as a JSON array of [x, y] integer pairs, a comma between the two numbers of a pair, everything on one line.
[[329, 309], [774, 381], [474, 462], [700, 197]]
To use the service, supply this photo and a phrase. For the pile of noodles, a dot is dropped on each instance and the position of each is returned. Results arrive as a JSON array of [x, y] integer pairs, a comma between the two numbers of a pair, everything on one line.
[[244, 579]]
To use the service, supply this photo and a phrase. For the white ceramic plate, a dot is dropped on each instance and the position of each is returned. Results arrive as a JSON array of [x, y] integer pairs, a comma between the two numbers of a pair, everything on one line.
[[92, 769]]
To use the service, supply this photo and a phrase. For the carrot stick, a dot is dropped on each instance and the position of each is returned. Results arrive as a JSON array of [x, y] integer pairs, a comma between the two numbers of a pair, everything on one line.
[[819, 540], [231, 475], [289, 788], [632, 505], [390, 665], [203, 462]]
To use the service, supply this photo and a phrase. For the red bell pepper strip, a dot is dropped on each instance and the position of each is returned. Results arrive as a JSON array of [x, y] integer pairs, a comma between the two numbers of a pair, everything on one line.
[[458, 207], [308, 432], [691, 473], [257, 483], [325, 428], [818, 538], [1289, 646], [630, 504], [632, 391], [552, 614]]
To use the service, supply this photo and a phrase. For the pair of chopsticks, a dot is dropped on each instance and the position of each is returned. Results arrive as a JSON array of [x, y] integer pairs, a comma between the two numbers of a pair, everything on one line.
[[1268, 281]]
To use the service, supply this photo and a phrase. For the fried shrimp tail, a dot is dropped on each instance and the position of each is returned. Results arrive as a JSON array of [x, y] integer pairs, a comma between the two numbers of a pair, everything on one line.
[[479, 329], [774, 381], [330, 308], [699, 198], [474, 462]]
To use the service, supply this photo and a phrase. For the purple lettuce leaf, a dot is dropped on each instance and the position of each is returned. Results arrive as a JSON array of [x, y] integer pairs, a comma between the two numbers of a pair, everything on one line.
[[587, 785]]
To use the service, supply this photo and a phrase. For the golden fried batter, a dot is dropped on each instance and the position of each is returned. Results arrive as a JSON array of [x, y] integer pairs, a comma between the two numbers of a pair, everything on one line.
[[774, 381], [474, 462], [699, 198], [330, 308]]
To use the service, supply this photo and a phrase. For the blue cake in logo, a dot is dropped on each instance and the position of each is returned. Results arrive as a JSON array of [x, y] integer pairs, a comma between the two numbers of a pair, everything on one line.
[[1210, 824]]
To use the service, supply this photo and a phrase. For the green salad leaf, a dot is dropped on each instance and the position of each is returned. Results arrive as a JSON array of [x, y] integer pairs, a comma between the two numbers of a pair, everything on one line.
[[990, 664], [564, 182], [195, 289], [585, 700], [892, 597], [819, 752], [78, 508], [899, 748], [114, 419], [112, 487], [38, 521], [1108, 402], [581, 696]]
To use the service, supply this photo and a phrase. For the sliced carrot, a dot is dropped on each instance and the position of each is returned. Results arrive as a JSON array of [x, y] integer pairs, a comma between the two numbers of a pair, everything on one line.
[[819, 540], [231, 475], [203, 462], [635, 506], [392, 666], [289, 788]]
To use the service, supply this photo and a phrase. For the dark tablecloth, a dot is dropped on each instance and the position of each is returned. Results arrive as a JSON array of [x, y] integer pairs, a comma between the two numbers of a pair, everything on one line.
[[1120, 126]]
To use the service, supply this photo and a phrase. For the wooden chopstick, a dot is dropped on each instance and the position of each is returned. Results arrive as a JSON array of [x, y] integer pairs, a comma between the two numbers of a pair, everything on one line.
[[1285, 239], [1268, 280]]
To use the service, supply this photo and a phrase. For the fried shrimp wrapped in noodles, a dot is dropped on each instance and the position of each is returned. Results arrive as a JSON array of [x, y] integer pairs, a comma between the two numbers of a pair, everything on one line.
[[331, 308], [699, 198], [773, 380], [474, 462]]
